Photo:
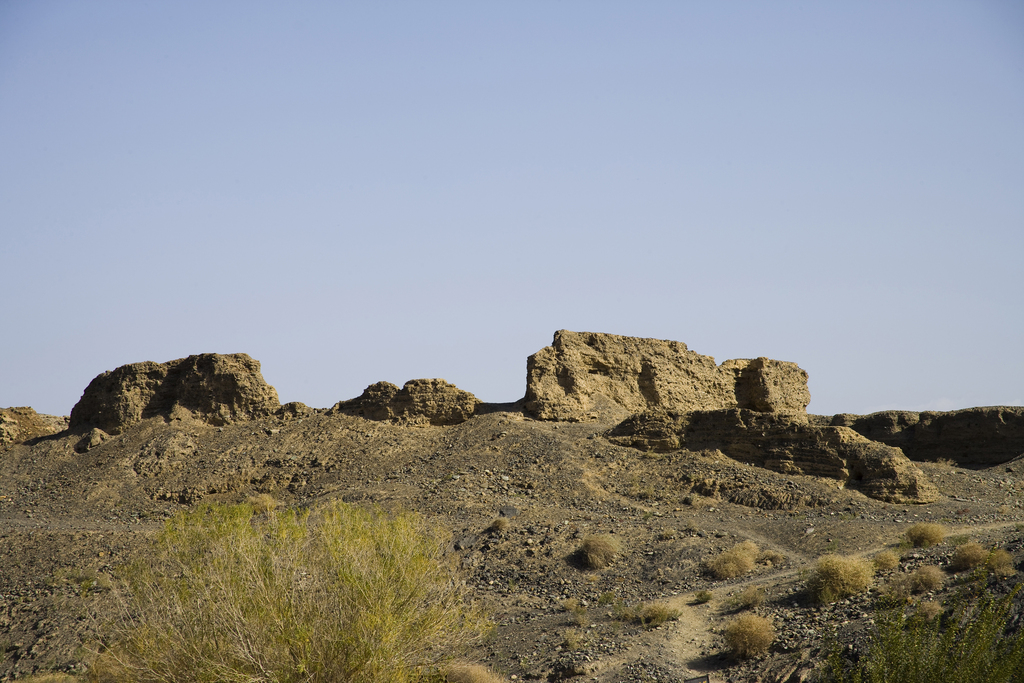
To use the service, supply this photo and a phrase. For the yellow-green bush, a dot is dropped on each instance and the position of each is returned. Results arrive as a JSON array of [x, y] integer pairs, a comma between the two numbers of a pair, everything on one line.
[[737, 560], [337, 594], [597, 552], [886, 560], [748, 635], [926, 534], [926, 578], [838, 577], [967, 556]]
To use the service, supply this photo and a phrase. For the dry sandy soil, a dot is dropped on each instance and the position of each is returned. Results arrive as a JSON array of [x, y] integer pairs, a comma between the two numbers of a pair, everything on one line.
[[68, 517]]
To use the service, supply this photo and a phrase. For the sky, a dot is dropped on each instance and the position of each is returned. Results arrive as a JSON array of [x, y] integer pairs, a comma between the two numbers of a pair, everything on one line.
[[356, 192]]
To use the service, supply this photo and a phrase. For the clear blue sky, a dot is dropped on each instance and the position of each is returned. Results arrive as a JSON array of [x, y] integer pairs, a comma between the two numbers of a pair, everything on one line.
[[355, 192]]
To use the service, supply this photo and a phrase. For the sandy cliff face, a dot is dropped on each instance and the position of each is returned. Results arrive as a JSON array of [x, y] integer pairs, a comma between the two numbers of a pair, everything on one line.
[[581, 371], [420, 401]]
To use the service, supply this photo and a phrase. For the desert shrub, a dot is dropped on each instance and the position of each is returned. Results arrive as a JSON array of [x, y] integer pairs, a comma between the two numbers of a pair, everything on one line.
[[972, 644], [733, 562], [263, 503], [702, 597], [1000, 562], [967, 556], [749, 598], [771, 558], [928, 610], [838, 577], [573, 640], [337, 594], [927, 578], [577, 612], [886, 561], [749, 635], [597, 552], [464, 672], [606, 598], [648, 614], [926, 534], [898, 587]]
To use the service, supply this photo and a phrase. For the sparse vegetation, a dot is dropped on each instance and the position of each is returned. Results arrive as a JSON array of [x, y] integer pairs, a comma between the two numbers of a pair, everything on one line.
[[573, 640], [926, 534], [736, 561], [749, 635], [648, 615], [886, 561], [464, 672], [748, 598], [838, 577], [972, 644], [772, 558], [263, 503], [334, 594], [967, 556], [702, 597], [1000, 563], [928, 610], [597, 552], [926, 578], [577, 612]]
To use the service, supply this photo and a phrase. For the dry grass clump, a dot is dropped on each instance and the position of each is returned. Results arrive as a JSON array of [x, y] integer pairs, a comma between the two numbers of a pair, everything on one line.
[[702, 597], [886, 561], [928, 610], [772, 558], [925, 579], [464, 672], [967, 556], [926, 534], [573, 640], [738, 560], [263, 503], [648, 614], [749, 598], [1000, 562], [838, 577], [577, 612], [597, 552], [337, 593], [50, 678], [749, 635]]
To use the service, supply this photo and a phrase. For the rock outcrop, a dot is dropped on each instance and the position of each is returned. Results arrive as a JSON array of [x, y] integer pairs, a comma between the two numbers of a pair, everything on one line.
[[581, 370], [420, 401], [783, 443], [21, 424], [214, 388], [975, 436]]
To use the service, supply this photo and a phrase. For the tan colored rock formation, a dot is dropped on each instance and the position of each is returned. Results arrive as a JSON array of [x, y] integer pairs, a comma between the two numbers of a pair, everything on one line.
[[975, 436], [582, 370], [218, 389], [420, 401], [783, 443], [21, 424]]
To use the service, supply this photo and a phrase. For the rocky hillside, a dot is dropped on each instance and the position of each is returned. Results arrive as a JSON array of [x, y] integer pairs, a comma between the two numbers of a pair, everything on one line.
[[678, 457]]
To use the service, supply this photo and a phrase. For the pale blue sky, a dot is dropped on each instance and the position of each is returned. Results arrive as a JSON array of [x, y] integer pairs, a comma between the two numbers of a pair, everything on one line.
[[355, 192]]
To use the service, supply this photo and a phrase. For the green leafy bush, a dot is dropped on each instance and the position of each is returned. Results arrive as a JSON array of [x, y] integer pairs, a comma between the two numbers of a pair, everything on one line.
[[971, 644], [337, 594]]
